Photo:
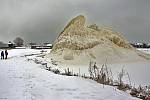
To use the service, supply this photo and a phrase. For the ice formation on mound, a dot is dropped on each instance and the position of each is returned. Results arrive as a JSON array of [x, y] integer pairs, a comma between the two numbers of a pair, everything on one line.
[[78, 43]]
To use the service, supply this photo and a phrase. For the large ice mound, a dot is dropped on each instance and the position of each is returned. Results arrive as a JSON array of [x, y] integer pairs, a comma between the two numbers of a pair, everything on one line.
[[79, 43]]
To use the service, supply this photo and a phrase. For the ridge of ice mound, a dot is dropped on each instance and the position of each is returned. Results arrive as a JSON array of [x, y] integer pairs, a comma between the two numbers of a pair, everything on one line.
[[78, 43]]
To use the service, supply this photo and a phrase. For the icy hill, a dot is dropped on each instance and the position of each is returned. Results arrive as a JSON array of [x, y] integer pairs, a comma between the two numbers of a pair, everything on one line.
[[78, 43]]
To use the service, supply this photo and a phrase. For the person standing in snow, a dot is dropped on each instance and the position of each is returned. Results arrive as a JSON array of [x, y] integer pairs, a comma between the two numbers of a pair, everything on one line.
[[6, 54], [2, 55]]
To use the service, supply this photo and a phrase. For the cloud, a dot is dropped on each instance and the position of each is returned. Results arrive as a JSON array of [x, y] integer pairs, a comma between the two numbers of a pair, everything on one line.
[[43, 20]]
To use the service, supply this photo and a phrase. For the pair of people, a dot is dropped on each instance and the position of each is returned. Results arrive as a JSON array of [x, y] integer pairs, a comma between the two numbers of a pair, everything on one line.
[[2, 54]]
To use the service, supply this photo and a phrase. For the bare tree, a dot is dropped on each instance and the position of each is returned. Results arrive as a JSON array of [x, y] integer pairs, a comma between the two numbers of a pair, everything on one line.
[[19, 41]]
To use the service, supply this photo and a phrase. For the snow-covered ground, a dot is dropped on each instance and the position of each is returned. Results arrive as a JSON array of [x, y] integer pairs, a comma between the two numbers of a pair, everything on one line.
[[138, 70], [145, 50], [21, 79]]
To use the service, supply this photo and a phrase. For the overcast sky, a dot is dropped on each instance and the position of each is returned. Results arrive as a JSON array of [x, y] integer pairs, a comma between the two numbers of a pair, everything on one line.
[[43, 20]]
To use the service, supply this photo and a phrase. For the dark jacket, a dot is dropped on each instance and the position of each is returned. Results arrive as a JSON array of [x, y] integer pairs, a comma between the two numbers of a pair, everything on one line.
[[6, 53], [2, 53]]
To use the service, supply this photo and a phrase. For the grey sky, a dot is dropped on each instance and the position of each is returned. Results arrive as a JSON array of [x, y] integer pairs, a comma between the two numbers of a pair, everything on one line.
[[43, 20]]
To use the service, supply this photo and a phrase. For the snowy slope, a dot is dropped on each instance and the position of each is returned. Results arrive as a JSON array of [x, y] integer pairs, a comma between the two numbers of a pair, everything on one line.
[[24, 80], [139, 71]]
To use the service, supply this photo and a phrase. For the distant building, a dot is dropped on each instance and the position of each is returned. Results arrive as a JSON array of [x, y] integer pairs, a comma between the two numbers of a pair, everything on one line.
[[44, 46], [30, 44], [50, 45], [140, 45], [11, 45]]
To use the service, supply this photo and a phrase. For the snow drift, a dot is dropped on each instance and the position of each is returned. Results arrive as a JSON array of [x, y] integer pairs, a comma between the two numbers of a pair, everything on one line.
[[80, 44]]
